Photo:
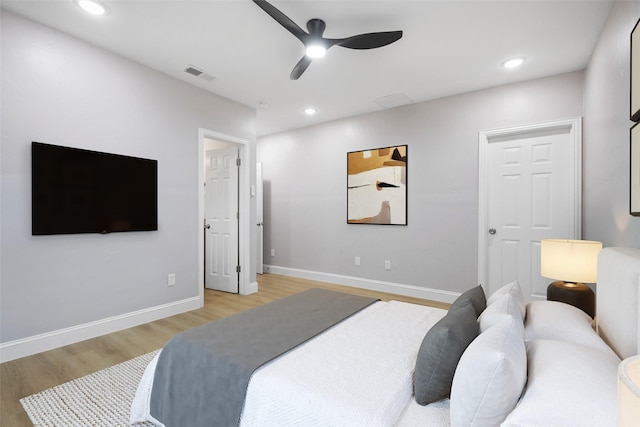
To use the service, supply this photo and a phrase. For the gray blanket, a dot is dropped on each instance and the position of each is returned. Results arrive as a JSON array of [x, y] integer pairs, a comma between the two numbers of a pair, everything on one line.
[[202, 374]]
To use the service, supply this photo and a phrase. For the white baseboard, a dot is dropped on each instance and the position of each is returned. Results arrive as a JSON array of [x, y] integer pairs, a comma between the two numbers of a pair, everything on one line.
[[374, 285], [38, 343], [253, 288]]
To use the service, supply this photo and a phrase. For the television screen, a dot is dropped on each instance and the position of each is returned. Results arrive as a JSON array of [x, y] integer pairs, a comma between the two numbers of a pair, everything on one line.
[[81, 191]]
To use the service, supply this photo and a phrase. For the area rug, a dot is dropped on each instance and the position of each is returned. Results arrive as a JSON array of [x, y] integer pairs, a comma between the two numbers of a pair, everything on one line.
[[99, 399]]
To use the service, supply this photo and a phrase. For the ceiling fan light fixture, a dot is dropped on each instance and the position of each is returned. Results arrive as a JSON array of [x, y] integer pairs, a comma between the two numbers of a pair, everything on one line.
[[315, 45], [315, 51], [92, 7], [513, 63]]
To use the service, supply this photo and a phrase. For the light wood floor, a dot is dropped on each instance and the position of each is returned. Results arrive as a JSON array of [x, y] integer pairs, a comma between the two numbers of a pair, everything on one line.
[[22, 377]]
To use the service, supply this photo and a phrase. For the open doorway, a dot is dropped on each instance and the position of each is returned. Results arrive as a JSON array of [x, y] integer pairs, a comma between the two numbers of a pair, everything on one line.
[[244, 284]]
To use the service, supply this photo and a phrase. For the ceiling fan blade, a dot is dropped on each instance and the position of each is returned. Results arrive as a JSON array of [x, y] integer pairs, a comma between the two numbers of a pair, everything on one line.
[[368, 41], [300, 67], [282, 19]]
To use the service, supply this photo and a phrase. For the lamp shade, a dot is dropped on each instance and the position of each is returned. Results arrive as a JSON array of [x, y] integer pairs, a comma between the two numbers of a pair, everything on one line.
[[629, 392], [570, 260]]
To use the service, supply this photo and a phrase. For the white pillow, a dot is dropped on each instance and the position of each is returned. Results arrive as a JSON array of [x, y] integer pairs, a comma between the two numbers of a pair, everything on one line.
[[512, 288], [568, 385], [490, 376], [563, 322], [505, 305]]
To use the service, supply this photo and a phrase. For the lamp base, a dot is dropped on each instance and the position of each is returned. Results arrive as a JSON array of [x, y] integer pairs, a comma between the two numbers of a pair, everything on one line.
[[575, 294]]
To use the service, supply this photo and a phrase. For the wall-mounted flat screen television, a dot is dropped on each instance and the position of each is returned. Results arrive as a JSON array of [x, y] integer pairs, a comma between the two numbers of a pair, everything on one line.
[[81, 191]]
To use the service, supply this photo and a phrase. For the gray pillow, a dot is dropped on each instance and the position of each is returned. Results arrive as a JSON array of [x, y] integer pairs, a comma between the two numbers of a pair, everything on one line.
[[440, 352], [476, 296]]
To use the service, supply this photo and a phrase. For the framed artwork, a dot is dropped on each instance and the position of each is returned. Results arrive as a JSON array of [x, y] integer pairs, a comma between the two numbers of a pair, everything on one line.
[[634, 185], [377, 186], [635, 73]]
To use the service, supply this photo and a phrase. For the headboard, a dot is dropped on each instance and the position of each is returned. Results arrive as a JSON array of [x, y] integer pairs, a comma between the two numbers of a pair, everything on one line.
[[618, 298]]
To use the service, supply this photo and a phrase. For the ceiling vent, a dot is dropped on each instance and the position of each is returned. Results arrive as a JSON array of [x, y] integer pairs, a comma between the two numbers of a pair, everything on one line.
[[393, 100], [197, 72]]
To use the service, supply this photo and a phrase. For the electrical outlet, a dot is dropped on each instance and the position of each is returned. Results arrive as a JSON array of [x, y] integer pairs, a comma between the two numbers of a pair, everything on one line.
[[387, 264], [357, 260], [171, 280], [273, 252]]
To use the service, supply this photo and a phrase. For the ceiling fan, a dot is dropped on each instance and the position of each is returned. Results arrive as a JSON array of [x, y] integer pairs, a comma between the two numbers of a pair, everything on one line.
[[316, 45]]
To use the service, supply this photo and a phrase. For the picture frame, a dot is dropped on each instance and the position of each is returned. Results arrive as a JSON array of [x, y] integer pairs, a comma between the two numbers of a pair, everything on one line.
[[635, 73], [634, 176], [377, 186]]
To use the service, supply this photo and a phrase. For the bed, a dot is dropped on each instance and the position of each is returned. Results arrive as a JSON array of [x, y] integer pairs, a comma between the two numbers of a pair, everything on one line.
[[488, 361]]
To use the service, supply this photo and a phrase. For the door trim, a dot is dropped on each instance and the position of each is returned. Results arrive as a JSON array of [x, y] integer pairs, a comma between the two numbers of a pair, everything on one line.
[[484, 138], [260, 219], [244, 232]]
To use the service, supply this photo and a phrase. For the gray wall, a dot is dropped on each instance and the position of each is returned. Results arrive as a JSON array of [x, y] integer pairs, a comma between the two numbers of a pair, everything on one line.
[[59, 90], [305, 184], [606, 134]]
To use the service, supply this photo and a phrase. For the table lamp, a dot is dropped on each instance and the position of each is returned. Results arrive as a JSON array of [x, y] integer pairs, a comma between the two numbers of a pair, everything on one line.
[[571, 263], [629, 392]]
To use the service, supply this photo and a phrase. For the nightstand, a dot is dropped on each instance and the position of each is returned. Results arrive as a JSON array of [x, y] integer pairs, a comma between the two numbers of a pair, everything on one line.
[[575, 294]]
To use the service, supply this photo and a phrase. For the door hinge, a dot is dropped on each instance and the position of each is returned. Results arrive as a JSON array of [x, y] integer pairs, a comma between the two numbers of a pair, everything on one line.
[[238, 162], [238, 269]]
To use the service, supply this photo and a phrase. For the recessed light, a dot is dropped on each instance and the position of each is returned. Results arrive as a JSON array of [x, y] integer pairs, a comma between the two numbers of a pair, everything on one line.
[[92, 7], [513, 63], [310, 111]]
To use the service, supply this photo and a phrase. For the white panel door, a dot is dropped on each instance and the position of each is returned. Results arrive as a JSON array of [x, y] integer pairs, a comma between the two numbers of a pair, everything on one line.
[[532, 178], [221, 220]]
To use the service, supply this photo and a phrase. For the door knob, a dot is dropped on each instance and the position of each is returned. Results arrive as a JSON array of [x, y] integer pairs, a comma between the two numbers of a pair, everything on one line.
[[207, 226], [492, 231]]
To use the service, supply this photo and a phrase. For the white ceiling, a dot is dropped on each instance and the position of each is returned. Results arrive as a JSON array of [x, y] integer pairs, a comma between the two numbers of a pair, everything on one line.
[[448, 47]]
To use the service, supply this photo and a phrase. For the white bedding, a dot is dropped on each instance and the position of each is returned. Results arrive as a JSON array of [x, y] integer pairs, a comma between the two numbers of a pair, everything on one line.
[[360, 372], [435, 414], [360, 383]]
